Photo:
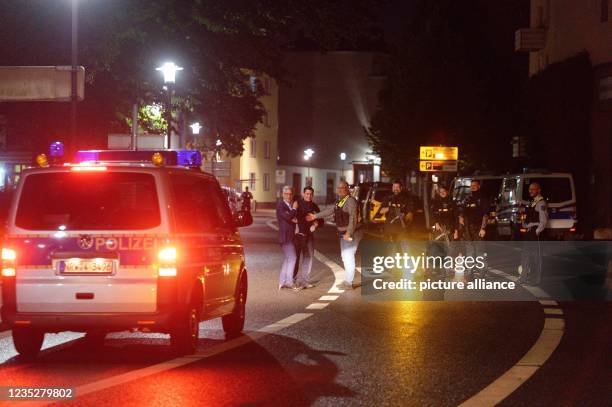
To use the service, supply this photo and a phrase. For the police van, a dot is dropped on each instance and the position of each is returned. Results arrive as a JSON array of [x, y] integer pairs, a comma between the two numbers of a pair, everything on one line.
[[559, 192], [121, 240]]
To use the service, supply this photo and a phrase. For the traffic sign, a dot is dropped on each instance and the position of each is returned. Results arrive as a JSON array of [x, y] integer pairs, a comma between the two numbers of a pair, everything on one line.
[[439, 153], [438, 166]]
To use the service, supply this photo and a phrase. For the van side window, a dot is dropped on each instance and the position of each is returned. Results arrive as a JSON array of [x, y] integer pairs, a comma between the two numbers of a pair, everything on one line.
[[223, 212], [192, 203]]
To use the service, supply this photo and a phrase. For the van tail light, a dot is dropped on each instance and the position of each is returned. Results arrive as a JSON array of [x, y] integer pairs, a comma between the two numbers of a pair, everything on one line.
[[572, 229], [8, 262], [167, 262]]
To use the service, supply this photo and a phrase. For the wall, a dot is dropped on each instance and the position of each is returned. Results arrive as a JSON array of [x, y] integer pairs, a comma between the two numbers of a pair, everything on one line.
[[319, 180]]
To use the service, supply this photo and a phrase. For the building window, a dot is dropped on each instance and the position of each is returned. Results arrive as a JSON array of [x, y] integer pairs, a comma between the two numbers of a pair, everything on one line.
[[253, 148], [252, 181], [266, 149], [266, 119], [604, 10], [253, 83], [266, 182]]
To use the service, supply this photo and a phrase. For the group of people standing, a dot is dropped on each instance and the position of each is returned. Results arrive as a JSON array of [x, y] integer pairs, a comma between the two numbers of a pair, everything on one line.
[[469, 224], [298, 221]]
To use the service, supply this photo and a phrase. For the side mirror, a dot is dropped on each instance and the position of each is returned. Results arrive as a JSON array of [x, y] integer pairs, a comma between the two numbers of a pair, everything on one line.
[[242, 219]]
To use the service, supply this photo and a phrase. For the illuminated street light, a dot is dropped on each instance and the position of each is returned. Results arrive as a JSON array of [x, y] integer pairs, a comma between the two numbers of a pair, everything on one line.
[[195, 128], [169, 70], [308, 153], [343, 156], [218, 143]]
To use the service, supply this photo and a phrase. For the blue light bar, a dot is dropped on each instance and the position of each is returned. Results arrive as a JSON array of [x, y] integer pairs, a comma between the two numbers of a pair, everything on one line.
[[187, 158], [56, 149]]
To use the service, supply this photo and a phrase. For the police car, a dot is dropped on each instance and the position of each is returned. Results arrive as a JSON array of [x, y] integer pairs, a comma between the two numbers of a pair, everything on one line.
[[122, 240]]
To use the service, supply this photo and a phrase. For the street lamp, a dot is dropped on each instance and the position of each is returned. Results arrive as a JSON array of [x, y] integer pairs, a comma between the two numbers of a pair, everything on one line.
[[342, 158], [169, 70], [195, 128], [308, 153]]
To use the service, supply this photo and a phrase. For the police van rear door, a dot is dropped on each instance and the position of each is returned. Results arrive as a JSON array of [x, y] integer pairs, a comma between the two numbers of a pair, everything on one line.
[[83, 239]]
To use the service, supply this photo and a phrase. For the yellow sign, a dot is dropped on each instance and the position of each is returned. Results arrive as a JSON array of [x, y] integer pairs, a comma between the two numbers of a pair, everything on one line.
[[440, 153], [438, 166]]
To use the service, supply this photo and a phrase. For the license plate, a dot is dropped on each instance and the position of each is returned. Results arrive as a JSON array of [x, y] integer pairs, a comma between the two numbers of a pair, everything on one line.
[[86, 266]]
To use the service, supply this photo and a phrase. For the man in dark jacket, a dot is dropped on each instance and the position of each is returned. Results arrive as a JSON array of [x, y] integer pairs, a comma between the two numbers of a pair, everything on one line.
[[287, 220], [304, 239]]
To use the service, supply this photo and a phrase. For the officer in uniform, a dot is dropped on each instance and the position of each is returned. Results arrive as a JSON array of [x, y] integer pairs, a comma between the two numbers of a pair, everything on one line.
[[398, 211], [536, 218], [443, 212], [473, 218]]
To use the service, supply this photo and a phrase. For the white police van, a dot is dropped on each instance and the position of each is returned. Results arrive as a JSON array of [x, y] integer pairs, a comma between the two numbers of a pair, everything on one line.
[[121, 241], [558, 190]]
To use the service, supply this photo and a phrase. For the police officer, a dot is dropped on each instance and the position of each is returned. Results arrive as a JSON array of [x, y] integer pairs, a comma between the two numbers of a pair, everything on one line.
[[397, 208], [247, 197], [536, 218], [473, 218], [443, 212], [346, 217]]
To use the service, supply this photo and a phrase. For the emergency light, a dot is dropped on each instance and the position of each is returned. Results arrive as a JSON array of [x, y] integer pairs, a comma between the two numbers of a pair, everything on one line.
[[187, 158], [56, 149]]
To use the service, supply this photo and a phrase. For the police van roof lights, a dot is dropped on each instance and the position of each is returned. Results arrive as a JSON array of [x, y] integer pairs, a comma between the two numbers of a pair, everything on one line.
[[187, 158]]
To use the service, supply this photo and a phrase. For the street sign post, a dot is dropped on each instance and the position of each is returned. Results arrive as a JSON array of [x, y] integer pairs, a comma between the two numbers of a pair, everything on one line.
[[438, 159], [439, 153], [438, 166], [39, 83]]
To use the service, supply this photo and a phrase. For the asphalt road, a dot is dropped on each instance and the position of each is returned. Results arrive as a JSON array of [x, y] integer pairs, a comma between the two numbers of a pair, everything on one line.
[[348, 351]]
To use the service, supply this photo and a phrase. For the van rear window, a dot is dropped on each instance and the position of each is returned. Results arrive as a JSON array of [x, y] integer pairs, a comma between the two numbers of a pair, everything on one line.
[[88, 201]]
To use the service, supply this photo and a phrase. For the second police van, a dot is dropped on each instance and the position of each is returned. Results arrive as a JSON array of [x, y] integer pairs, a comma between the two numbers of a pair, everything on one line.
[[123, 240]]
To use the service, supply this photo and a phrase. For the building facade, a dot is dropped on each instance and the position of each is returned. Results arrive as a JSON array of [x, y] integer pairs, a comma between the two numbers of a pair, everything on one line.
[[561, 29], [326, 105]]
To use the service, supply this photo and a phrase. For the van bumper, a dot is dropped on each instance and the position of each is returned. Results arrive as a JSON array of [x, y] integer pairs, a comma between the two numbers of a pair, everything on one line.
[[82, 322]]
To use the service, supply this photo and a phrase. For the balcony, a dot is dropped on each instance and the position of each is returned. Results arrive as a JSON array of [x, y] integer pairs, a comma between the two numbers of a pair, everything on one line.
[[529, 39]]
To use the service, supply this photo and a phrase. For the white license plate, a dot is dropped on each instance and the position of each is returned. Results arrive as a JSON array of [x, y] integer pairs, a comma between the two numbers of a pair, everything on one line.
[[86, 266]]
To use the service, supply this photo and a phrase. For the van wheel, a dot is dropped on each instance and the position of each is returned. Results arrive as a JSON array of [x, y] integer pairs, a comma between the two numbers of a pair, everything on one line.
[[184, 336], [28, 342], [233, 323]]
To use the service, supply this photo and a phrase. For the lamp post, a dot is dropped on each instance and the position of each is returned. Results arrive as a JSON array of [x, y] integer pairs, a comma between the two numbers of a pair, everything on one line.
[[342, 158], [169, 70], [308, 153], [73, 77]]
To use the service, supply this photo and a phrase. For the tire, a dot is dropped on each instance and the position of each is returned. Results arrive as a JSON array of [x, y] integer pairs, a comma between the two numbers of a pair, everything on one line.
[[28, 342], [184, 335], [233, 323]]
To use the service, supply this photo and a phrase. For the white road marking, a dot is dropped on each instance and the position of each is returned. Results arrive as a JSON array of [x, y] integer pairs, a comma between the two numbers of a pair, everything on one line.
[[553, 311], [5, 334], [317, 305], [329, 297], [536, 356]]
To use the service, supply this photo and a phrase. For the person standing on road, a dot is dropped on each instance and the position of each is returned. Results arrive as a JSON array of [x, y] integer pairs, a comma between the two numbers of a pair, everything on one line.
[[346, 217], [287, 220], [247, 197], [304, 239], [398, 211], [472, 222], [443, 213], [536, 219]]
